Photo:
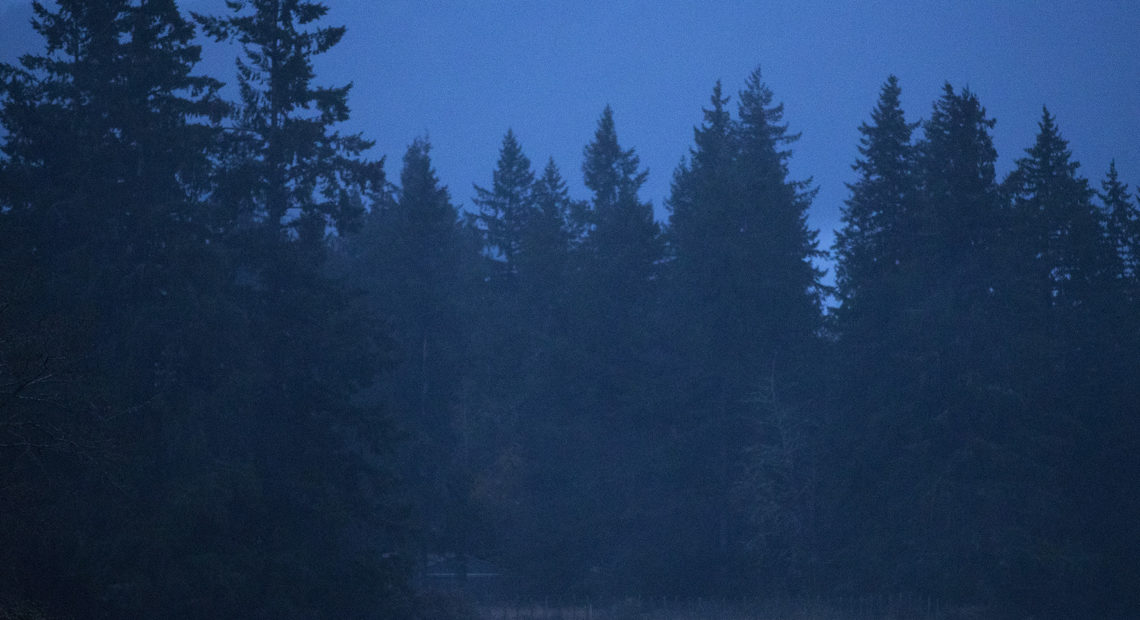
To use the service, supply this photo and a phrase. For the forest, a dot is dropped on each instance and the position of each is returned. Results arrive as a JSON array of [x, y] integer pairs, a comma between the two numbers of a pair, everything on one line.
[[245, 372]]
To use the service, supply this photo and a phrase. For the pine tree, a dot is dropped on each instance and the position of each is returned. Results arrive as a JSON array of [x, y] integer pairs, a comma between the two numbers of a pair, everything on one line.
[[417, 264], [943, 402], [105, 140], [926, 402], [787, 244], [547, 236], [1112, 409], [109, 134], [876, 253], [622, 234], [958, 197], [546, 244], [290, 168], [959, 272], [1058, 221], [1123, 226], [600, 367], [1072, 346], [286, 181], [504, 209], [614, 269], [744, 299], [871, 246], [702, 187]]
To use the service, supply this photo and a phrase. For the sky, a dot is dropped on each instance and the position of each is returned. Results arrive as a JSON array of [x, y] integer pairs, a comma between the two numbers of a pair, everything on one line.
[[464, 71]]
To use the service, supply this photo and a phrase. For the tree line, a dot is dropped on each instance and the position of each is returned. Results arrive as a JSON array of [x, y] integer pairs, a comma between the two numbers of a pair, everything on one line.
[[244, 374]]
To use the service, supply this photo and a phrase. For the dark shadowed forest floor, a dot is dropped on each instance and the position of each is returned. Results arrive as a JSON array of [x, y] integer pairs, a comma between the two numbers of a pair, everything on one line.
[[877, 609], [865, 608]]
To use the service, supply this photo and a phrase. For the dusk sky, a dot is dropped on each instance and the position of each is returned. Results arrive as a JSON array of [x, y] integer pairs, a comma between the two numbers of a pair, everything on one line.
[[462, 72]]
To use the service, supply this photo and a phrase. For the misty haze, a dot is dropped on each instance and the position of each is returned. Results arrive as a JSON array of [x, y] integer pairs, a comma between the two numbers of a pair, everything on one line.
[[515, 310]]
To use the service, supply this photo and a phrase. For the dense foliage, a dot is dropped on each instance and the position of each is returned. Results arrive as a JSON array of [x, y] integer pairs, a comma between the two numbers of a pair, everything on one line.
[[244, 375]]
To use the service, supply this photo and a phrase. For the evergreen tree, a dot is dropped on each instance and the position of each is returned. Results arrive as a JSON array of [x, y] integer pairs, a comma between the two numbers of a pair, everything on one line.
[[1057, 219], [1069, 336], [702, 184], [744, 298], [108, 158], [290, 167], [1113, 463], [104, 151], [948, 338], [546, 239], [617, 259], [105, 139], [504, 209], [287, 180], [529, 396], [622, 234], [708, 258], [877, 255], [869, 249], [787, 244], [957, 277], [600, 368], [1123, 227], [920, 349], [1068, 283], [416, 263]]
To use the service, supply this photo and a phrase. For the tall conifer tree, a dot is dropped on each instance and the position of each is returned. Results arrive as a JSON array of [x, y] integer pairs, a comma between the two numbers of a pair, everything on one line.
[[1122, 219], [415, 261], [745, 296], [547, 236], [505, 208], [1057, 220], [291, 168], [622, 236], [106, 140], [871, 246], [788, 246]]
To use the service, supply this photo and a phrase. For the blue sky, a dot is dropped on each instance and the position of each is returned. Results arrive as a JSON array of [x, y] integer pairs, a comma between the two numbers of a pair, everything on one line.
[[463, 71]]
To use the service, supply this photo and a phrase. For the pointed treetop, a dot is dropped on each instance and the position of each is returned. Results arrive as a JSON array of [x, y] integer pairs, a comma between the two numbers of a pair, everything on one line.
[[513, 172], [504, 208], [957, 149], [711, 140], [875, 218], [1122, 223], [418, 170], [549, 225], [610, 172], [1113, 189], [764, 134], [1050, 152], [550, 187], [884, 143]]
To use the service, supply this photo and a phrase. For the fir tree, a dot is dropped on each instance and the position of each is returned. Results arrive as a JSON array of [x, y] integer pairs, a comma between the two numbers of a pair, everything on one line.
[[417, 264], [959, 199], [545, 246], [105, 141], [622, 234], [547, 235], [1054, 210], [787, 245], [871, 246], [701, 187], [504, 209], [1123, 225], [745, 298], [290, 168]]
